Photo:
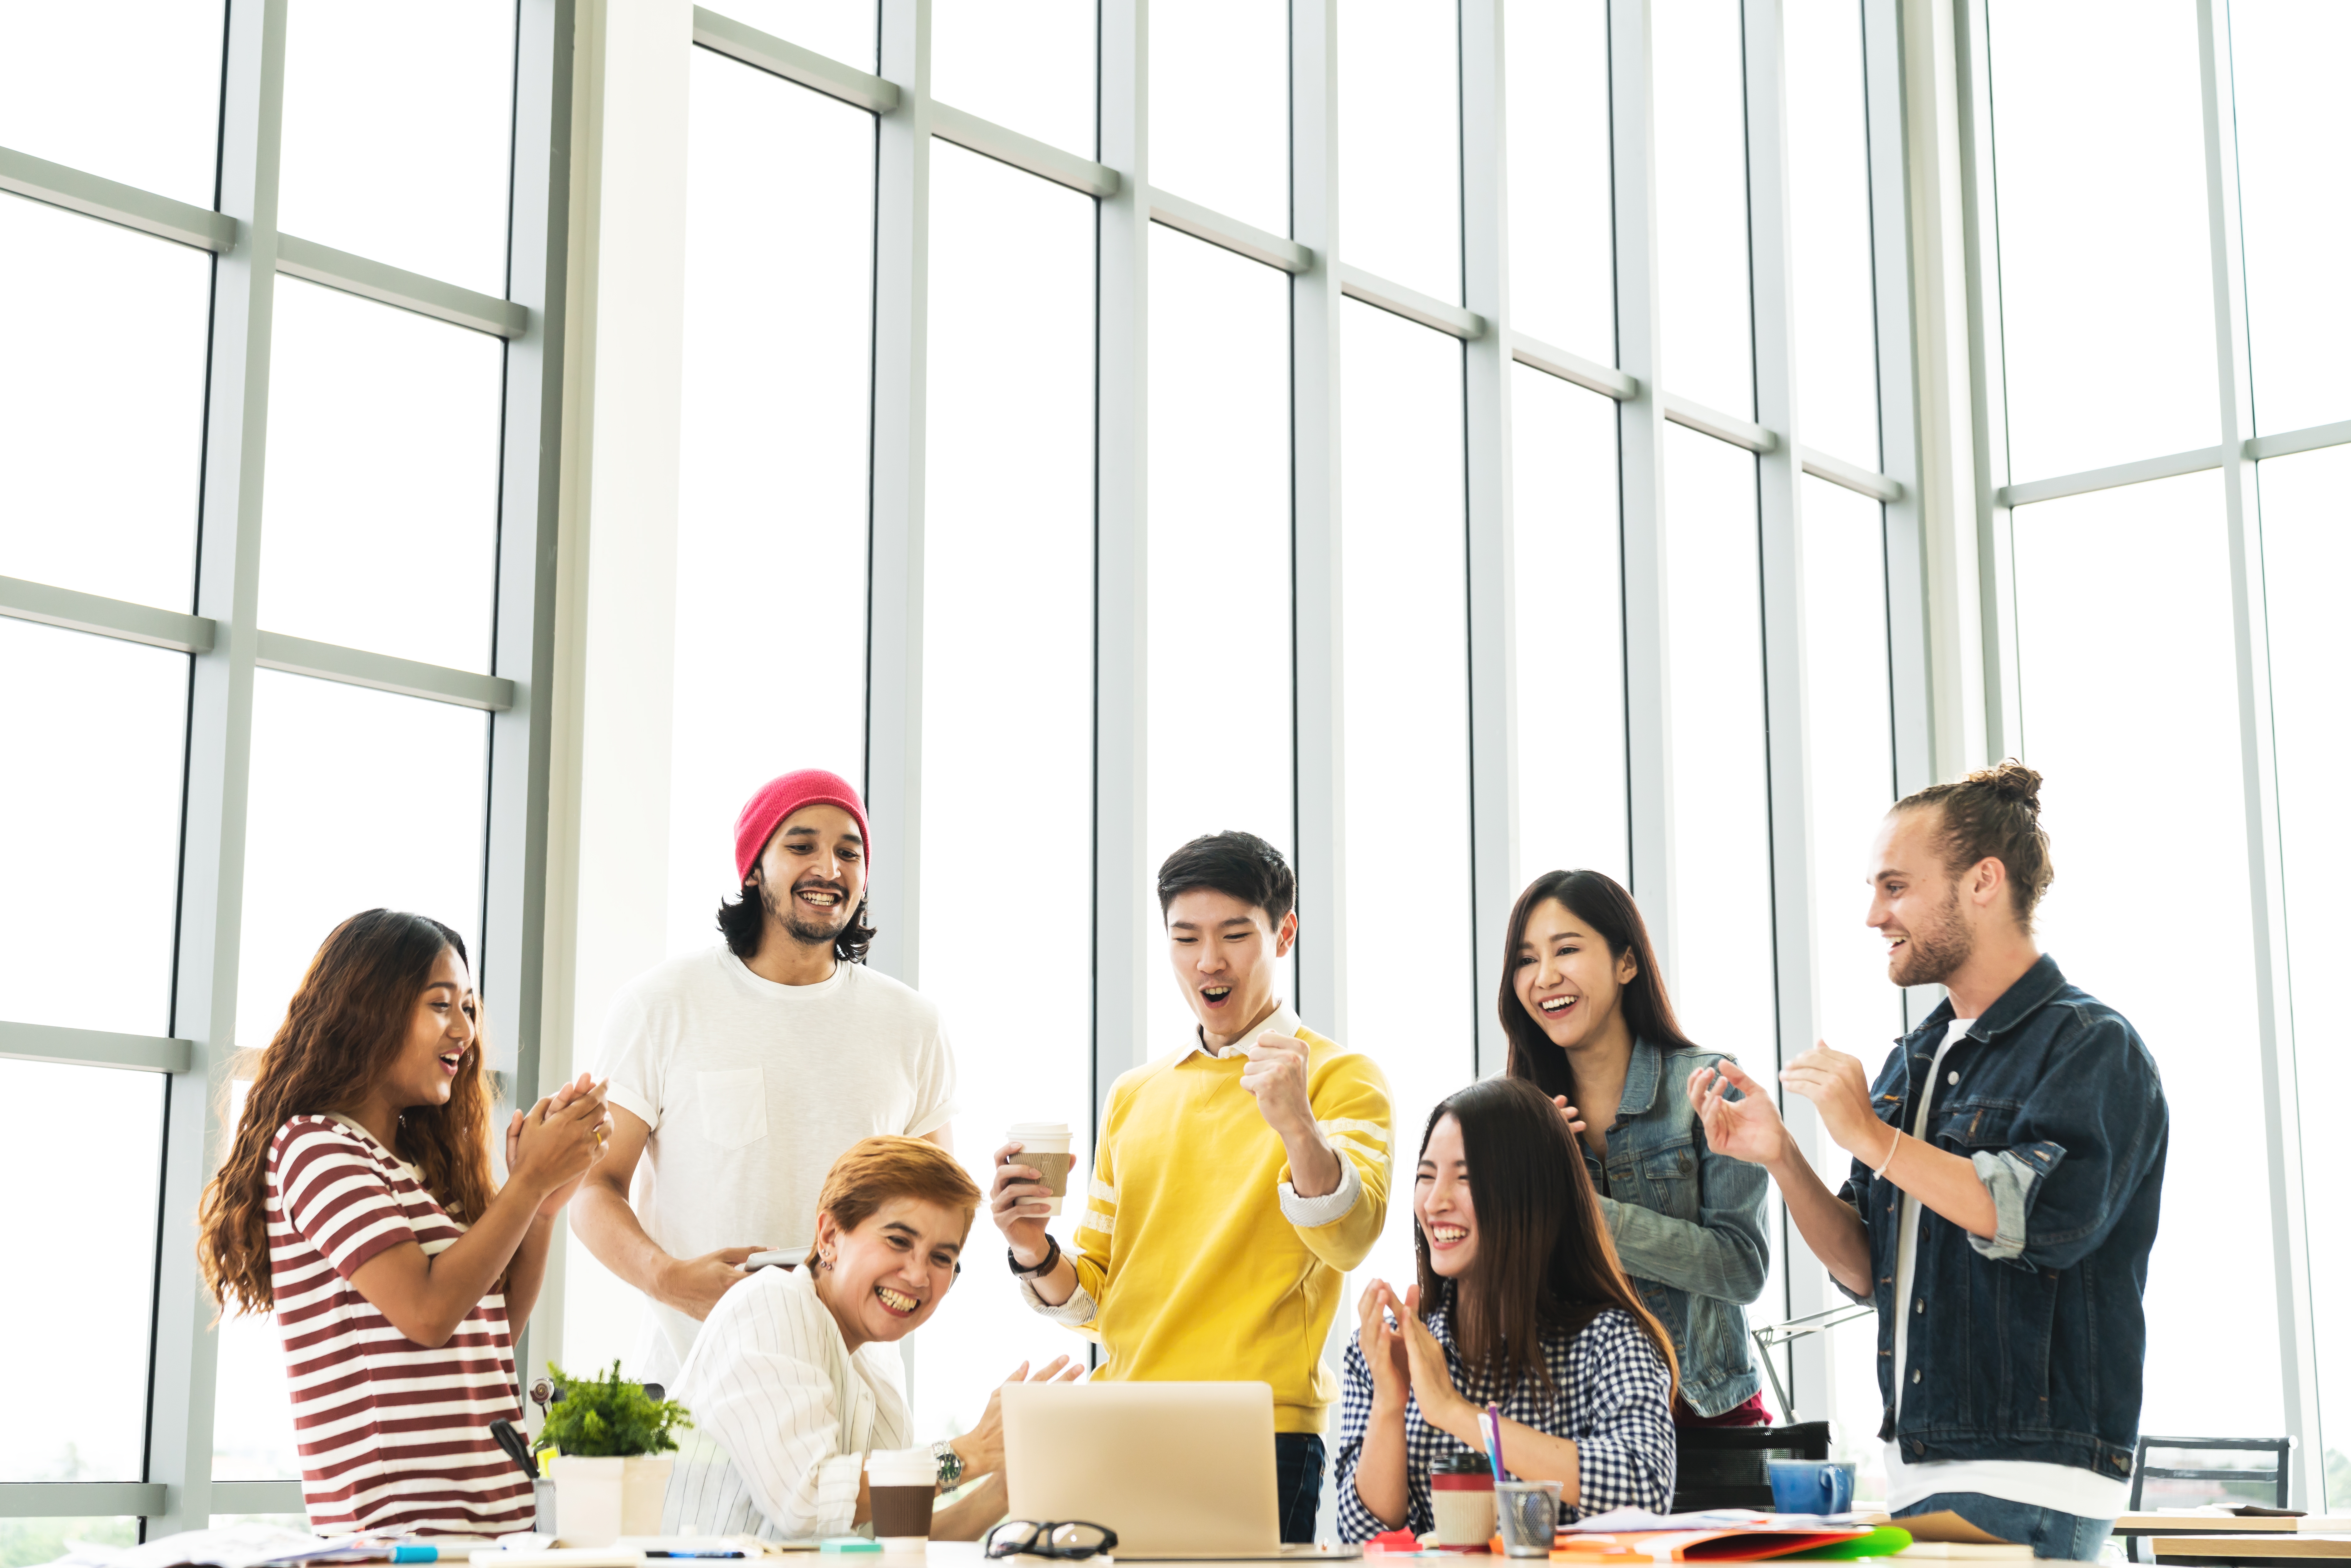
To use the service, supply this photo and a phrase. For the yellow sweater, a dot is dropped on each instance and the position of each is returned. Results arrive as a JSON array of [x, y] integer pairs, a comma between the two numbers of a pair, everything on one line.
[[1195, 1271]]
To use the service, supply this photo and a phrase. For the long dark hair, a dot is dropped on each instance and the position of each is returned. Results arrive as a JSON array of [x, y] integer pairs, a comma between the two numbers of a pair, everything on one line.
[[1600, 902], [742, 918], [1544, 1263], [347, 1023]]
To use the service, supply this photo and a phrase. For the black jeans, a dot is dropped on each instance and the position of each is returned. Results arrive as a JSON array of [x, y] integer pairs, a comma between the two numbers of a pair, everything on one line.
[[1297, 1482]]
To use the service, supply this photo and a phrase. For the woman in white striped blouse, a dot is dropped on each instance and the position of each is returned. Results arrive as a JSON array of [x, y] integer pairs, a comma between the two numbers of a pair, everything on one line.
[[792, 1376]]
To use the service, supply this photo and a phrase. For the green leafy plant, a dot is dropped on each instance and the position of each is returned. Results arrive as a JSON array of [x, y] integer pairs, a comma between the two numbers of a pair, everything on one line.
[[604, 1417]]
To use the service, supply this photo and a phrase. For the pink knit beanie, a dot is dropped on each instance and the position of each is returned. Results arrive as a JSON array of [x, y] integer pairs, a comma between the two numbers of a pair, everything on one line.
[[778, 798]]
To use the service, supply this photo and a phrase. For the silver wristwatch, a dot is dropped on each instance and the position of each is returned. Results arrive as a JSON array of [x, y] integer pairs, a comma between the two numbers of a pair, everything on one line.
[[950, 1465]]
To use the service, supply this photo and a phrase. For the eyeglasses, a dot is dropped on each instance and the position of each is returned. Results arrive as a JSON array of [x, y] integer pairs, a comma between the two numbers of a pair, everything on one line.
[[1066, 1538]]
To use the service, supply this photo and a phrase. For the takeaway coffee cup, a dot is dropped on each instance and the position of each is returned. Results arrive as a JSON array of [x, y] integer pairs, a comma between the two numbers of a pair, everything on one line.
[[1812, 1486], [1461, 1495], [1045, 1145], [903, 1485]]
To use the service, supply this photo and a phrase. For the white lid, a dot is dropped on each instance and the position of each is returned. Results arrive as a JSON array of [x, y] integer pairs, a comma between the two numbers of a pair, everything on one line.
[[902, 1468], [1037, 1130]]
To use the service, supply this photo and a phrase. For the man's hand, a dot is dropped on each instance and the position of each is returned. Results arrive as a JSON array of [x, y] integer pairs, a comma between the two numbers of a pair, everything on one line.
[[693, 1285], [1019, 1202], [1838, 1086], [1276, 1074], [1748, 1129]]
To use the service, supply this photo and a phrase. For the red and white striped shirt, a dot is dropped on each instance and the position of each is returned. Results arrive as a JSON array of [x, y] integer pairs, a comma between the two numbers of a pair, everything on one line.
[[393, 1436]]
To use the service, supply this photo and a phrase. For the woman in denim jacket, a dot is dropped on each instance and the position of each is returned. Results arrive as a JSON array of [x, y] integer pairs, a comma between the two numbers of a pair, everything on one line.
[[1590, 1024]]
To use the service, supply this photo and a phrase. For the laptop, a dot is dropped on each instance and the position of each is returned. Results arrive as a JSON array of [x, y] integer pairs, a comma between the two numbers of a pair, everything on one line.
[[1180, 1471]]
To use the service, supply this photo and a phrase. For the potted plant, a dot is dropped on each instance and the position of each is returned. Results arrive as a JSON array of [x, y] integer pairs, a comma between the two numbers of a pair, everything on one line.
[[613, 1454]]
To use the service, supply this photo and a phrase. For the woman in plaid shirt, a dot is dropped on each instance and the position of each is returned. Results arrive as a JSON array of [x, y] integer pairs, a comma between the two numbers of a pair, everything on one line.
[[1525, 1307]]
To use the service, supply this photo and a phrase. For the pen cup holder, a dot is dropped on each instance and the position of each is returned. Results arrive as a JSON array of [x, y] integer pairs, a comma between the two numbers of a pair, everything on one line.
[[1528, 1514]]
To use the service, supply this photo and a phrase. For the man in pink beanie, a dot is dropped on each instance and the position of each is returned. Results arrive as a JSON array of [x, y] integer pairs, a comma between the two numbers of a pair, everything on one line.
[[741, 1072]]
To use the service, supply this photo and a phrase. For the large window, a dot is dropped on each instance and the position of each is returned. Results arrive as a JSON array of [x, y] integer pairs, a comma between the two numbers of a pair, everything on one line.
[[2164, 491], [282, 361]]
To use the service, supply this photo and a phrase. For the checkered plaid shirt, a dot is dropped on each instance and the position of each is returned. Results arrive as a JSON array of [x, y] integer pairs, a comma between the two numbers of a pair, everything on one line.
[[1611, 1392]]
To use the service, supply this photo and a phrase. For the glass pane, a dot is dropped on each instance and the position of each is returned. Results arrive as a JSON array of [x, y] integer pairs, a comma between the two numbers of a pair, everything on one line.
[[1562, 230], [23, 1542], [398, 133], [1400, 141], [1569, 580], [1723, 982], [134, 96], [773, 487], [1828, 180], [108, 721], [844, 31], [1027, 65], [1849, 696], [2103, 374], [359, 799], [1220, 106], [382, 501], [1406, 660], [1008, 695], [102, 409], [88, 1380], [2306, 542], [252, 1409], [1221, 752], [2292, 124], [1708, 353], [2145, 668]]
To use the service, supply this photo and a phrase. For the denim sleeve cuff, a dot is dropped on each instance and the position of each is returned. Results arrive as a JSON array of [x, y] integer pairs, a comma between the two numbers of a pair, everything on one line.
[[1307, 1213], [1078, 1310], [2014, 1177]]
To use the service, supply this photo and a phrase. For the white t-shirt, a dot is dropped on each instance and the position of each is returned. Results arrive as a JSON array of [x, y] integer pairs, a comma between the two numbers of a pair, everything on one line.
[[2068, 1489], [752, 1089]]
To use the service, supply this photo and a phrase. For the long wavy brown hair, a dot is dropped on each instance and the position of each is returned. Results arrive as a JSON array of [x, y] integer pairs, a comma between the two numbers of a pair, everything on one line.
[[1544, 1264], [347, 1023]]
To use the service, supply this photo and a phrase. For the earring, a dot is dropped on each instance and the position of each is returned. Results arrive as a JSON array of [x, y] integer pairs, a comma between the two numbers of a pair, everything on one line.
[[824, 1261]]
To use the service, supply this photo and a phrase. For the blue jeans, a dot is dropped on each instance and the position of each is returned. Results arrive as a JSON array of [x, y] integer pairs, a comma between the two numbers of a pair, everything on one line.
[[2049, 1532], [1297, 1482]]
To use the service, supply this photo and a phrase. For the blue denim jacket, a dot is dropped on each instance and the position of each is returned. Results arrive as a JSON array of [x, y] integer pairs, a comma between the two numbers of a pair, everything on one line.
[[1688, 1225], [2034, 1343]]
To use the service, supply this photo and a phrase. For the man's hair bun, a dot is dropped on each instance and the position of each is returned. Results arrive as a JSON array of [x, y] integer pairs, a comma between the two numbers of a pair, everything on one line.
[[2011, 780]]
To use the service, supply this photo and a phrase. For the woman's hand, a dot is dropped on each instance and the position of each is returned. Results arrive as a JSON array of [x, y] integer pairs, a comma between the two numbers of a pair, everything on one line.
[[564, 1096], [981, 1449], [1383, 1344], [1441, 1403], [1568, 1114], [554, 1145]]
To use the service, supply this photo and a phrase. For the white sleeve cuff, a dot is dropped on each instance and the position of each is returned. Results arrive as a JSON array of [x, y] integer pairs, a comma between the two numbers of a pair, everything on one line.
[[1307, 1213], [836, 1493], [1077, 1311]]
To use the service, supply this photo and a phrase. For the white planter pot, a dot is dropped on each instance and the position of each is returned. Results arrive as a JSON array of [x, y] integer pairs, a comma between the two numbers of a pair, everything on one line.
[[599, 1500]]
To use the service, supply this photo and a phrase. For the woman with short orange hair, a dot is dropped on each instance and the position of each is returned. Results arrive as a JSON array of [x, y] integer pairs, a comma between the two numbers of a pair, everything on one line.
[[790, 1378]]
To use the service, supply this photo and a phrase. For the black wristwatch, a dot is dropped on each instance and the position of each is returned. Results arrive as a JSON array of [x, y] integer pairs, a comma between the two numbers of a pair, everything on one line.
[[1052, 1257]]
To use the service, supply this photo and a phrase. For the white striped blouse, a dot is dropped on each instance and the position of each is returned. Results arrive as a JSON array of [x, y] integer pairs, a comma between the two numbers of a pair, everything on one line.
[[792, 1414], [393, 1436]]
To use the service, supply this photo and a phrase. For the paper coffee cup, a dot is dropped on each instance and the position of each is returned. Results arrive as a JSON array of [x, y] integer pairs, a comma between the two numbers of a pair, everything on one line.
[[1045, 1145], [903, 1484]]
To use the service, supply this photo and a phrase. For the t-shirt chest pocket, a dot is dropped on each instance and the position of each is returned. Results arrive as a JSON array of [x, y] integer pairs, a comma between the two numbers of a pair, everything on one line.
[[733, 1106]]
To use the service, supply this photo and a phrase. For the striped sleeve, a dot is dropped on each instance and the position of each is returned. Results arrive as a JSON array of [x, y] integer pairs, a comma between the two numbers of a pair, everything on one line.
[[758, 1386], [336, 1194]]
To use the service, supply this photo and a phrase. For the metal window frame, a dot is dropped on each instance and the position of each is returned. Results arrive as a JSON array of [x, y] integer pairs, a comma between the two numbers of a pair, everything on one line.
[[226, 646]]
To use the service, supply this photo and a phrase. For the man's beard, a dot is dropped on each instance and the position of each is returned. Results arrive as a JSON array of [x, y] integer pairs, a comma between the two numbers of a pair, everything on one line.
[[806, 933], [1934, 954]]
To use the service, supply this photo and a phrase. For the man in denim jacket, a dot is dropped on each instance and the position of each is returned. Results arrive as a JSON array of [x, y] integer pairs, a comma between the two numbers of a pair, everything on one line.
[[2007, 1176]]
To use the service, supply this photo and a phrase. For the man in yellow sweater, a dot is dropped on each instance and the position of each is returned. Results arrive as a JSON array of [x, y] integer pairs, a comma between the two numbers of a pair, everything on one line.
[[1235, 1182]]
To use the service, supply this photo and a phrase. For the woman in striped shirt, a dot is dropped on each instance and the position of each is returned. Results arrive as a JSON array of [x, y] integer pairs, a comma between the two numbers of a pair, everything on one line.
[[1521, 1303], [357, 1203]]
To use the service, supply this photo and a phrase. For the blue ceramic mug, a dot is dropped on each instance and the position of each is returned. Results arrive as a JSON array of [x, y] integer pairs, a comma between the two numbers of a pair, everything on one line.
[[1812, 1486]]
